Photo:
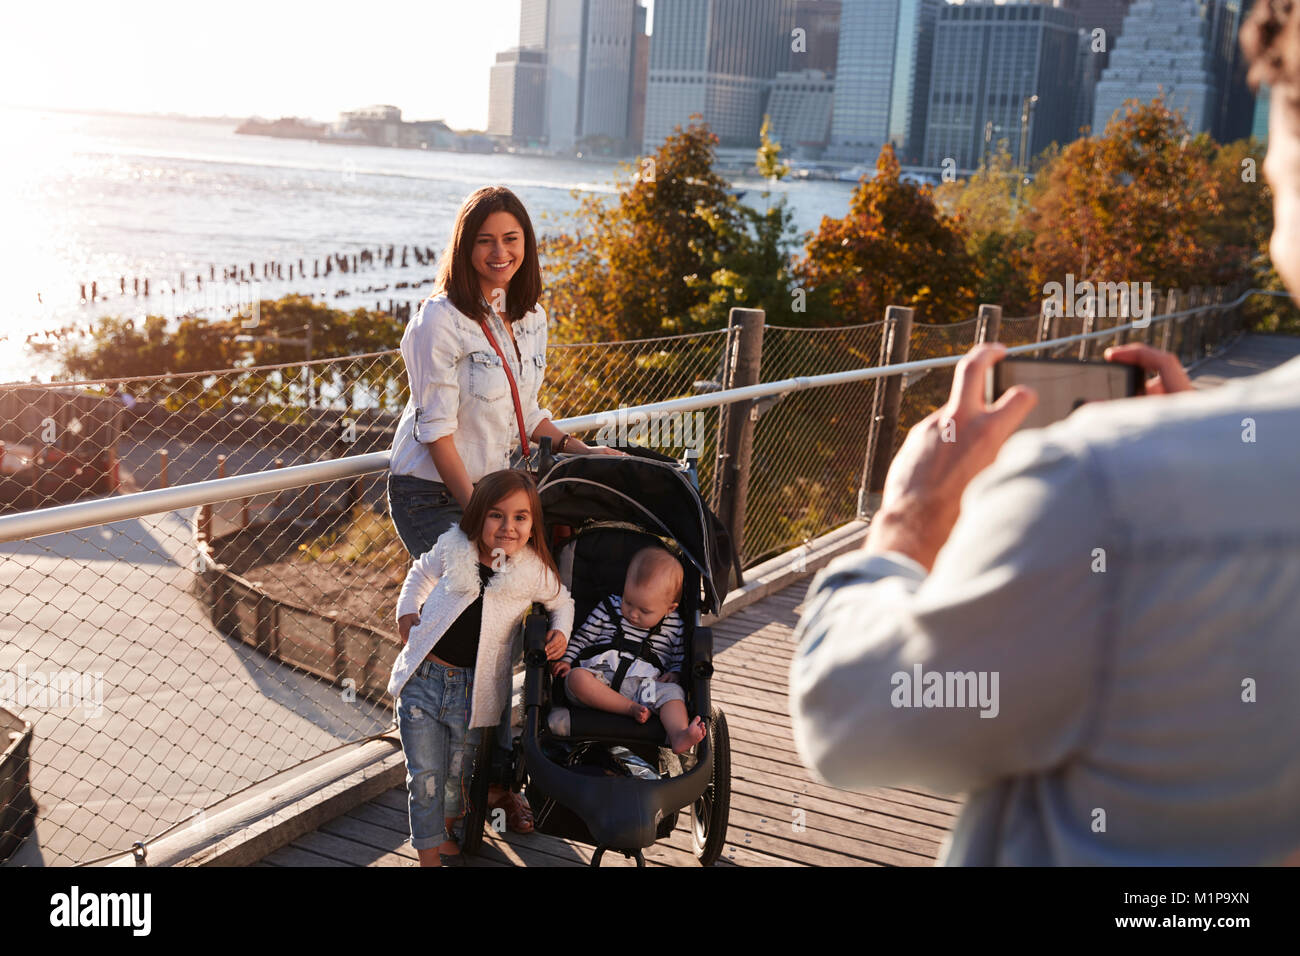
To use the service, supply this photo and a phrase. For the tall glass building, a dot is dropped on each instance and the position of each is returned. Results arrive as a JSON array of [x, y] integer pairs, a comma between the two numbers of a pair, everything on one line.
[[882, 78], [717, 58], [989, 60], [589, 54]]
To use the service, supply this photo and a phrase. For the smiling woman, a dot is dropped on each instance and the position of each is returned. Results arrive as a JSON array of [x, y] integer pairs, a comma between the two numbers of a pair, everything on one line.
[[476, 340], [480, 336]]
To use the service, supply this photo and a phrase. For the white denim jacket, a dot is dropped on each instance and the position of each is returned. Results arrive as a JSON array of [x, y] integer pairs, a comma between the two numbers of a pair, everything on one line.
[[443, 582], [459, 388]]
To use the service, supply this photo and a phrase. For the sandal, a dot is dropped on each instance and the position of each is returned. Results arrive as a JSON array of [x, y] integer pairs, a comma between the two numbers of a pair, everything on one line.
[[519, 815]]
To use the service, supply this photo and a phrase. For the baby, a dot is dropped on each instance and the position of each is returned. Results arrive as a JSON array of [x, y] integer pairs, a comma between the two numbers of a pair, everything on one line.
[[645, 676]]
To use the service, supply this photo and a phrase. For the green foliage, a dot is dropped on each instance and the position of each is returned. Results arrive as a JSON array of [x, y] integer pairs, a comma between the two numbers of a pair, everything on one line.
[[119, 348]]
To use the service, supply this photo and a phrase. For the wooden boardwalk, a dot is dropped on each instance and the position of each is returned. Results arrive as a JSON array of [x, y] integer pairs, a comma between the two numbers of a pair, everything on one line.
[[769, 787]]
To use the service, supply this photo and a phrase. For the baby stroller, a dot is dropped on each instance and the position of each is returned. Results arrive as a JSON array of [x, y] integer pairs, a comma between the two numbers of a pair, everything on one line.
[[592, 776]]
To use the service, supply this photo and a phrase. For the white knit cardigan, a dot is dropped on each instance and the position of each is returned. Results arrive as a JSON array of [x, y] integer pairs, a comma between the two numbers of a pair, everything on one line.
[[443, 582]]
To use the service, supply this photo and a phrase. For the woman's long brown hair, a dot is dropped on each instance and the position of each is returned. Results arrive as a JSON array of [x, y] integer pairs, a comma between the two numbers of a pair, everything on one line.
[[456, 275], [489, 492]]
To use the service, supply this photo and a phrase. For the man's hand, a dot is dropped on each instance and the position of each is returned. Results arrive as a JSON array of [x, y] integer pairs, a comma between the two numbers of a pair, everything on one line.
[[405, 623], [556, 642], [940, 456], [1169, 375], [560, 668]]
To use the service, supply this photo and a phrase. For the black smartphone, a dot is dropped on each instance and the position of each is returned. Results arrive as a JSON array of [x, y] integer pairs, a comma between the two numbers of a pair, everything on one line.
[[1063, 384]]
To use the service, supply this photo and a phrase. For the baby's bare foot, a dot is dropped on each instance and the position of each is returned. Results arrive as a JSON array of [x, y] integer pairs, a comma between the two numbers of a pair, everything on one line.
[[687, 738], [638, 712]]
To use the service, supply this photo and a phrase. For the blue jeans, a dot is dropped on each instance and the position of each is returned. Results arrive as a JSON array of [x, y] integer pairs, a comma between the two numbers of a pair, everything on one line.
[[440, 750], [421, 510]]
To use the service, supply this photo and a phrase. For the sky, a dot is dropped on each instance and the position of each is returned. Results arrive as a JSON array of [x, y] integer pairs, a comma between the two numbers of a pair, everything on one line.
[[267, 58]]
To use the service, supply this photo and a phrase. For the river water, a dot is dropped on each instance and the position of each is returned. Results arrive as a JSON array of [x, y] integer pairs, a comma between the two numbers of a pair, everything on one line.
[[93, 198]]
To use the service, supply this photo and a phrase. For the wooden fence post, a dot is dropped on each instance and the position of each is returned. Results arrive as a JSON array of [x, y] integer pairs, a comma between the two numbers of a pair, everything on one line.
[[1085, 347], [894, 349], [736, 424], [988, 325], [1049, 326], [1174, 304], [162, 467]]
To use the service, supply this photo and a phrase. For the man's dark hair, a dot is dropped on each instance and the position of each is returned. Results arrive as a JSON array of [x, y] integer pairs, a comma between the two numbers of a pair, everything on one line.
[[1270, 39]]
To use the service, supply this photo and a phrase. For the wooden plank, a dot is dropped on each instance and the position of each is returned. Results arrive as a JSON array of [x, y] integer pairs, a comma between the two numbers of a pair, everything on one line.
[[294, 856]]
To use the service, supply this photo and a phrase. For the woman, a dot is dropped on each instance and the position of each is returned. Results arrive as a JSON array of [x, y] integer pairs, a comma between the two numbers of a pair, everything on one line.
[[460, 423]]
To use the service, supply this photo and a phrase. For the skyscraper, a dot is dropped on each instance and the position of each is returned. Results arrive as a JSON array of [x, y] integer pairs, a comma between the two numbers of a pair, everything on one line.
[[820, 22], [533, 16], [517, 95], [1234, 110], [716, 58], [1166, 46], [590, 52], [882, 78], [990, 60]]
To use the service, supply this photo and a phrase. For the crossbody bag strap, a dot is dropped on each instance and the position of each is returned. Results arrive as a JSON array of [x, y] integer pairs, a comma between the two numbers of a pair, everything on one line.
[[514, 390]]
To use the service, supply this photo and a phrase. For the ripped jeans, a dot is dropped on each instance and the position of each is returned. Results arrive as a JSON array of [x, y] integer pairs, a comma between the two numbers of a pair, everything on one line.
[[432, 722]]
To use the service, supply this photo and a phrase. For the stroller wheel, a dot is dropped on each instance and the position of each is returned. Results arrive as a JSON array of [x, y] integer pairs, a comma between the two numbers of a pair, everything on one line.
[[710, 812]]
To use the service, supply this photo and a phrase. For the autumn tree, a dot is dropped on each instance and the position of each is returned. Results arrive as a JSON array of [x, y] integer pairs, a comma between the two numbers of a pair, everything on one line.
[[1131, 205], [627, 269], [988, 205], [894, 247], [750, 257]]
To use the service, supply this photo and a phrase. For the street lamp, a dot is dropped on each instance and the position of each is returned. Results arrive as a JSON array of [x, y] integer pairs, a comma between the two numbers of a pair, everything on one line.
[[1026, 111]]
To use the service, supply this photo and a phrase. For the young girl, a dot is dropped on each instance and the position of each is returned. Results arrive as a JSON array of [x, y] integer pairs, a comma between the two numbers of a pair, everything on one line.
[[458, 611]]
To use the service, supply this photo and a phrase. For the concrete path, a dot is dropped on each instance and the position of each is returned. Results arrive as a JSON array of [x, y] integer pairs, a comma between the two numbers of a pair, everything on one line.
[[163, 715]]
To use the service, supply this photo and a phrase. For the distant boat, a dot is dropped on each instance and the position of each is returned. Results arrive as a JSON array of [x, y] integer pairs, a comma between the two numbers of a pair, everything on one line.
[[286, 127], [856, 173]]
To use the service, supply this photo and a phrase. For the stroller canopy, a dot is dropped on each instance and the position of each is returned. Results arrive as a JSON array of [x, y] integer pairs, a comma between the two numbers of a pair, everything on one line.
[[648, 490]]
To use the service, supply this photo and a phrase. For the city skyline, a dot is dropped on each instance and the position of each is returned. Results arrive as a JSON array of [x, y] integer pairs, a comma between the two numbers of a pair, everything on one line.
[[143, 57]]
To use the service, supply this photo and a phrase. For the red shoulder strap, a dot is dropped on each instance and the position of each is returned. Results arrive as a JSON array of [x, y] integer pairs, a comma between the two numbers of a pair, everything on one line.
[[514, 390]]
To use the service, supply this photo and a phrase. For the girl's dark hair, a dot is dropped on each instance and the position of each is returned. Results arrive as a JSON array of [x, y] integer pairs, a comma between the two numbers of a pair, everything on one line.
[[1270, 39], [456, 275], [489, 492]]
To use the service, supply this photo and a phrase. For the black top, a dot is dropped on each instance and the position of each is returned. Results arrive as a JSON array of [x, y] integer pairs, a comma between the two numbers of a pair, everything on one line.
[[459, 645]]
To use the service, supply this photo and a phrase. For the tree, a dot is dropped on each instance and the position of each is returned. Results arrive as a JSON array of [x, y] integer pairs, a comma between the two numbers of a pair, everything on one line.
[[626, 271], [894, 247], [1132, 205], [750, 256]]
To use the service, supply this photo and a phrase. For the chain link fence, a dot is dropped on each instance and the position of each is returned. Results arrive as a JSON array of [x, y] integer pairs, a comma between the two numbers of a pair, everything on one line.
[[172, 660]]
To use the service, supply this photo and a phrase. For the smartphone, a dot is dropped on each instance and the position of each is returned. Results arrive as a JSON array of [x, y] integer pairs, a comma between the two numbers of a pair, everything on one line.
[[1063, 384]]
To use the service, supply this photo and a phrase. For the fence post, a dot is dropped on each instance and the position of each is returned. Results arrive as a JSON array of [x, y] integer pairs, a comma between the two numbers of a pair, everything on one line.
[[736, 424], [1193, 335], [162, 467], [1049, 325], [1174, 305], [1085, 347], [988, 325], [894, 348]]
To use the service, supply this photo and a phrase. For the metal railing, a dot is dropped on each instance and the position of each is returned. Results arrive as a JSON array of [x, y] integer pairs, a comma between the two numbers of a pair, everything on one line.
[[169, 660]]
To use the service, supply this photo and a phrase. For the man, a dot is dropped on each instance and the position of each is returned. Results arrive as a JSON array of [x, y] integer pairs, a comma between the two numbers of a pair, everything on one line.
[[1092, 630]]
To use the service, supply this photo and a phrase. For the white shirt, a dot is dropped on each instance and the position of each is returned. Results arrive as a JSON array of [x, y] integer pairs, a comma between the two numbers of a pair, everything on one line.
[[458, 387]]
